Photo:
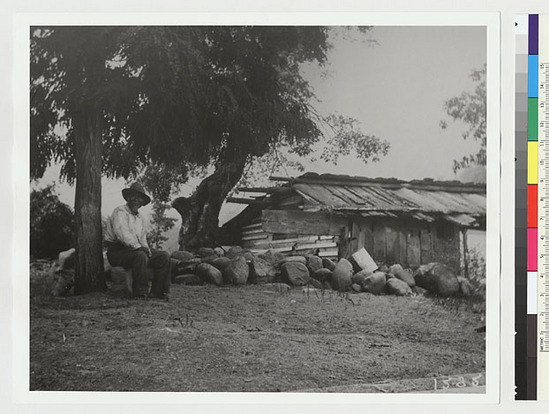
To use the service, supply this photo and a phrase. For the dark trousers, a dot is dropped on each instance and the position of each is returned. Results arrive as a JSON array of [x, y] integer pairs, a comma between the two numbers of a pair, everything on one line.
[[138, 262]]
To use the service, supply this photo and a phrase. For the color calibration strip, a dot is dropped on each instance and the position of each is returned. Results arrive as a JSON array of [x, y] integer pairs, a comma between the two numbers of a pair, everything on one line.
[[523, 262], [531, 261], [532, 207], [541, 120], [532, 129]]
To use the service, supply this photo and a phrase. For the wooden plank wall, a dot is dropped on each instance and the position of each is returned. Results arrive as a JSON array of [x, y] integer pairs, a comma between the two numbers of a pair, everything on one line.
[[409, 243], [258, 241]]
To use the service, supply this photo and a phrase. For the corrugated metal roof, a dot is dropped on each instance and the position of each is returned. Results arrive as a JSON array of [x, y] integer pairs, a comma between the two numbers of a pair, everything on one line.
[[423, 200]]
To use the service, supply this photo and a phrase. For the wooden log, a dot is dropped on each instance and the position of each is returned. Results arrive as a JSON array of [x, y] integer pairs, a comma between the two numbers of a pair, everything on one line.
[[259, 236], [301, 222], [258, 189], [318, 245], [296, 246], [328, 253], [253, 231], [292, 241], [252, 226], [241, 200]]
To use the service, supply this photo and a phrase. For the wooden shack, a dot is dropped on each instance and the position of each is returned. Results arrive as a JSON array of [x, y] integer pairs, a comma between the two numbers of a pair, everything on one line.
[[396, 221]]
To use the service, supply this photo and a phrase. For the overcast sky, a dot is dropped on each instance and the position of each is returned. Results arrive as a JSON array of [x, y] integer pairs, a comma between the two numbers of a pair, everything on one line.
[[396, 89]]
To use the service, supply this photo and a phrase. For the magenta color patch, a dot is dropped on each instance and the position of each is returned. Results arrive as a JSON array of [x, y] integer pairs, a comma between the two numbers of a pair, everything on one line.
[[532, 250]]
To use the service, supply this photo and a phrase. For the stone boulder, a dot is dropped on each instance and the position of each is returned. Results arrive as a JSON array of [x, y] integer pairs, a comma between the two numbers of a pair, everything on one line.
[[402, 274], [355, 287], [219, 262], [187, 267], [342, 276], [173, 267], [122, 279], [237, 272], [210, 274], [398, 287], [437, 278], [323, 275], [375, 283], [261, 271], [205, 252], [465, 287], [358, 278], [248, 255], [314, 263], [189, 279], [328, 264], [219, 251], [234, 252], [64, 283], [182, 255], [293, 259], [295, 273], [66, 259], [271, 256]]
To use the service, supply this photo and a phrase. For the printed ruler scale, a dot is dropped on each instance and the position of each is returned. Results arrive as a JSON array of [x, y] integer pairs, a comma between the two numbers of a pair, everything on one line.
[[543, 210]]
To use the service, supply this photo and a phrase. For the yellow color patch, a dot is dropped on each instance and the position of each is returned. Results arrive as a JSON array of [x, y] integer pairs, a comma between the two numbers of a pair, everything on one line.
[[533, 162]]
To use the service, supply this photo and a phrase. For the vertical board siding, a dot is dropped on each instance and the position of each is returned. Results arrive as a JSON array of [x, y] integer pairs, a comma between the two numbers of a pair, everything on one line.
[[413, 252], [426, 246], [380, 244], [393, 246]]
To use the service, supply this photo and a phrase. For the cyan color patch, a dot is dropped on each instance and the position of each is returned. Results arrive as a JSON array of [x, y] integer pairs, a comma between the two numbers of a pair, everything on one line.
[[533, 76]]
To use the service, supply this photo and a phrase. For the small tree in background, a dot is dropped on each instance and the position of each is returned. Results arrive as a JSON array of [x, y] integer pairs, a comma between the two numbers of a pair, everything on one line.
[[470, 108], [51, 224]]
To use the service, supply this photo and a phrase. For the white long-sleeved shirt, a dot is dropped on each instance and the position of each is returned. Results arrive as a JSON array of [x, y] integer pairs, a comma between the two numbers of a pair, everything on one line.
[[127, 228]]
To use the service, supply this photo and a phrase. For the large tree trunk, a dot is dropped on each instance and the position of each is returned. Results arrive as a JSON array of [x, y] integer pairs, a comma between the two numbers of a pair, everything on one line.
[[88, 127], [200, 211]]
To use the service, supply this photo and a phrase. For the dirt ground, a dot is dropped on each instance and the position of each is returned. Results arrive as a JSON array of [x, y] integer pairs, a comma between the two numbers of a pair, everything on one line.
[[250, 338]]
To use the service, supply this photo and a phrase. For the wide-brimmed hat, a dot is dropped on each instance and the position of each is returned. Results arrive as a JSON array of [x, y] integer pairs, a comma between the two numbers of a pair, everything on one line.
[[135, 188]]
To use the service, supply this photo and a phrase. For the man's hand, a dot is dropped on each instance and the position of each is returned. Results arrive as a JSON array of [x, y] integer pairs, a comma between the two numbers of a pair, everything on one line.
[[146, 250]]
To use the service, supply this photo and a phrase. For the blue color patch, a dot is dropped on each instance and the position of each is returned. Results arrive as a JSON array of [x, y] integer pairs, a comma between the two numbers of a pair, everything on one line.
[[533, 76]]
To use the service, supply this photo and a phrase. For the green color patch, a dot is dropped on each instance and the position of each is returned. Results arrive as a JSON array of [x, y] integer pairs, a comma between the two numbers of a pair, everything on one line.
[[532, 119]]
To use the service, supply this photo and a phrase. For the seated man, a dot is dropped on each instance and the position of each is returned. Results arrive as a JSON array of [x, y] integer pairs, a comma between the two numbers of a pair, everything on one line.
[[127, 246]]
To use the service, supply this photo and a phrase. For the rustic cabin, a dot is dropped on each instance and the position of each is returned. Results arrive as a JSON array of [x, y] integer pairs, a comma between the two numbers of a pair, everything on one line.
[[410, 223]]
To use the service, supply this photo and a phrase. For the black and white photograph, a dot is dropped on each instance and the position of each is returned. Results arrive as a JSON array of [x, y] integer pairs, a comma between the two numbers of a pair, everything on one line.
[[263, 208]]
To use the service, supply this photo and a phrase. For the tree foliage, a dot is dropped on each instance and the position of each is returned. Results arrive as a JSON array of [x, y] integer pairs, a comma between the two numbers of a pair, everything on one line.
[[470, 108], [51, 224], [179, 98]]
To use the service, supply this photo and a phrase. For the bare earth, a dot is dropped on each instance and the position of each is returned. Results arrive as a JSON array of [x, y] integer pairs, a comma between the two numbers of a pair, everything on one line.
[[251, 338]]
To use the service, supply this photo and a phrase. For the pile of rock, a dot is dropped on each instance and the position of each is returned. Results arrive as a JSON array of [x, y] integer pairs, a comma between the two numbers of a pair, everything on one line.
[[218, 266], [237, 266]]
